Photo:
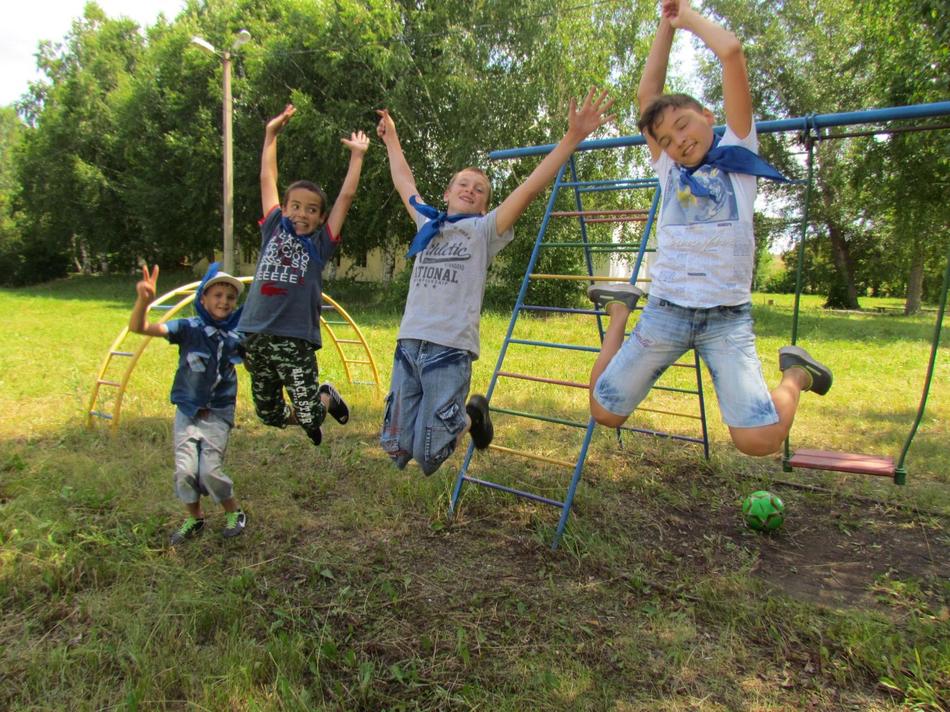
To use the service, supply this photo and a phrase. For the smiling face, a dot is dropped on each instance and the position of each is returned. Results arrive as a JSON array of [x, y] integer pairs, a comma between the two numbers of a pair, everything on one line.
[[684, 132], [469, 192], [305, 209], [219, 300]]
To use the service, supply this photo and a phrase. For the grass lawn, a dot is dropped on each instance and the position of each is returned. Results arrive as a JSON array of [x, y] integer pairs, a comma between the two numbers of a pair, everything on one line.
[[351, 589]]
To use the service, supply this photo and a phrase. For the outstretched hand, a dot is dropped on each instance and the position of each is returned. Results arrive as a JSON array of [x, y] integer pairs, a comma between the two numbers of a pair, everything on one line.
[[386, 126], [591, 115], [148, 286], [279, 122], [674, 11], [358, 142]]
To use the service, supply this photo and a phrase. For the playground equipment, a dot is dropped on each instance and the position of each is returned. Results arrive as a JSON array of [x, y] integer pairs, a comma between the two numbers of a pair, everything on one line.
[[809, 128], [108, 390]]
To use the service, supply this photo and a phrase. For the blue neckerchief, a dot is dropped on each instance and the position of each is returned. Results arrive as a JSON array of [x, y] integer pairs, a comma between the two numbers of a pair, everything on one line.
[[430, 229], [305, 240], [229, 324], [732, 159]]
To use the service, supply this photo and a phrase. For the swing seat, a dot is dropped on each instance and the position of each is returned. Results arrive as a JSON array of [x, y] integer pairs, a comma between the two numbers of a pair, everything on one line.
[[843, 462]]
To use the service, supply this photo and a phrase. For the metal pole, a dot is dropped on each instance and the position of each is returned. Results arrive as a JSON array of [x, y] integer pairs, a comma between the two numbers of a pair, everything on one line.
[[228, 206]]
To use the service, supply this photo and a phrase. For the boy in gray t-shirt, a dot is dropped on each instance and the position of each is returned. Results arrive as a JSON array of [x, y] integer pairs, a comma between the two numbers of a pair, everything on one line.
[[426, 410]]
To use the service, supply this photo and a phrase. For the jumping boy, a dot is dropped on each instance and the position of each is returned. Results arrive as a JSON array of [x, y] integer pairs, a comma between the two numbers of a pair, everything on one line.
[[281, 318], [426, 412], [204, 392], [701, 278]]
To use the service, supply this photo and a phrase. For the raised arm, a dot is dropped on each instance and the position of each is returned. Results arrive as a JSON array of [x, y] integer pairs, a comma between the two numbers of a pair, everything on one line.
[[737, 99], [580, 123], [145, 292], [403, 180], [358, 142], [269, 194], [653, 78]]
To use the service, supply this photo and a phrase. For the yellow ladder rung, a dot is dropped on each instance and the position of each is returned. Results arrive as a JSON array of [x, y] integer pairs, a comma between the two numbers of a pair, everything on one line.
[[350, 361], [116, 384], [349, 341], [121, 353], [539, 458]]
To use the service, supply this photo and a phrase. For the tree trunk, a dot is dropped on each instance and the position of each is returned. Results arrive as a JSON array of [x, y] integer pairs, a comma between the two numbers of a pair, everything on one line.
[[915, 283], [841, 255]]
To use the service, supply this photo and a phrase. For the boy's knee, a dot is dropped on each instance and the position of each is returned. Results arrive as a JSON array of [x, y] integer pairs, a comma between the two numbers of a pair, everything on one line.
[[755, 444], [604, 417]]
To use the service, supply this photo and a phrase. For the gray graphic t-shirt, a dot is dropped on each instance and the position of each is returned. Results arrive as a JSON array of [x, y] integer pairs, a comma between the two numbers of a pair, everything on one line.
[[705, 246], [448, 283], [287, 292]]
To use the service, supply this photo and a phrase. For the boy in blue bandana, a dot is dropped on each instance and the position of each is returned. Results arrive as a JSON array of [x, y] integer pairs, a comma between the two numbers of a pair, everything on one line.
[[701, 276], [426, 411], [204, 392], [282, 314]]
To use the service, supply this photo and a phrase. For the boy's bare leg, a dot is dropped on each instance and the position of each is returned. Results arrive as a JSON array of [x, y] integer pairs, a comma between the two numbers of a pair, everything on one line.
[[230, 504], [194, 509], [769, 438], [613, 339]]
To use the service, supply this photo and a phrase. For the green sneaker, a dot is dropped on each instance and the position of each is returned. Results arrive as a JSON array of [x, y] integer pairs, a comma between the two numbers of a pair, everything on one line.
[[188, 530], [236, 522]]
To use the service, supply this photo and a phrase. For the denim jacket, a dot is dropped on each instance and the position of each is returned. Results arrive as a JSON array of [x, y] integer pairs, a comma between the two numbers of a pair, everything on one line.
[[206, 377]]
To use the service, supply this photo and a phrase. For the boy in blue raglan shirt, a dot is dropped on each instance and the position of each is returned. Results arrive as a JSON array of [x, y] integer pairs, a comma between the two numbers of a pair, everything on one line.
[[204, 392], [281, 320], [701, 277]]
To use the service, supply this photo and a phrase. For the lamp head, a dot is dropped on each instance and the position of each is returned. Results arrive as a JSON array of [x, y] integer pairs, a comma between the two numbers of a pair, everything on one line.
[[242, 38]]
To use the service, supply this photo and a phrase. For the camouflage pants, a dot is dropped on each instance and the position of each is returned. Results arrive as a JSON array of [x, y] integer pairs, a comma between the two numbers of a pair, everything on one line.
[[277, 363]]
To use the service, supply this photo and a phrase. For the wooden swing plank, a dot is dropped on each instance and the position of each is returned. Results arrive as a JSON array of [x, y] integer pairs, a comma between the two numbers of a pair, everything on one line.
[[844, 462]]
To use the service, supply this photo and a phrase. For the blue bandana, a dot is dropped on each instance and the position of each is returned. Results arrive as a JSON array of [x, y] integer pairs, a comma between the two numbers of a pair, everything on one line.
[[305, 240], [732, 159], [229, 324], [429, 230]]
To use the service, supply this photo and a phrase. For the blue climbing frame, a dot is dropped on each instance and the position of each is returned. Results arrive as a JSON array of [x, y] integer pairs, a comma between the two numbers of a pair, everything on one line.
[[806, 126]]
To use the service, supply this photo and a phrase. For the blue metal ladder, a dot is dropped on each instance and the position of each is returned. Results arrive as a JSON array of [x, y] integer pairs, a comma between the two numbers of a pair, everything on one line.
[[579, 189]]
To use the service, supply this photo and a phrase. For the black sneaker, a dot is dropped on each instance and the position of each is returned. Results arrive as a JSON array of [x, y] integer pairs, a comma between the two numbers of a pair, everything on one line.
[[316, 436], [603, 294], [795, 356], [189, 529], [481, 431], [337, 407], [236, 521]]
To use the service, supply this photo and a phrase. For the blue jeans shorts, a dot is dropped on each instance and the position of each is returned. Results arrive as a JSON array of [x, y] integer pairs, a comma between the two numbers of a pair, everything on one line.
[[425, 408], [723, 338]]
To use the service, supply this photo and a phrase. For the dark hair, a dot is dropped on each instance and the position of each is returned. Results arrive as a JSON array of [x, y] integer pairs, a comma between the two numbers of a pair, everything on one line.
[[651, 115], [313, 188], [483, 174]]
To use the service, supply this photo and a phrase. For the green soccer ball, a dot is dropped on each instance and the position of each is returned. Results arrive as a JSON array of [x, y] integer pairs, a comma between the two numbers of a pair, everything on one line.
[[763, 511]]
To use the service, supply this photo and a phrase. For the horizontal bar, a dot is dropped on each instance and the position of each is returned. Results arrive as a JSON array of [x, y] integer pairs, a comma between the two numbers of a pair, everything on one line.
[[535, 416], [625, 245], [669, 412], [512, 490], [817, 121], [596, 213], [336, 323], [349, 341], [658, 434], [594, 221], [539, 379], [582, 277], [532, 456], [607, 183], [100, 414], [116, 384], [560, 310], [552, 345], [121, 353], [354, 361], [161, 306]]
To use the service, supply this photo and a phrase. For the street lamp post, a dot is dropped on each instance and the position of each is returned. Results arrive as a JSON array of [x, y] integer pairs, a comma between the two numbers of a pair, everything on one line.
[[226, 114]]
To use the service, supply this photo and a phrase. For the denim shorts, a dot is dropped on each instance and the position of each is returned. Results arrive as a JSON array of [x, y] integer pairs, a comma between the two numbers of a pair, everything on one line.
[[723, 338], [425, 408]]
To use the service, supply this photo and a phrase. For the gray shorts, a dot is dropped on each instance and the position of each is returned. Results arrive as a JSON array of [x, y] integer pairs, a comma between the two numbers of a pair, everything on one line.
[[200, 443], [425, 408]]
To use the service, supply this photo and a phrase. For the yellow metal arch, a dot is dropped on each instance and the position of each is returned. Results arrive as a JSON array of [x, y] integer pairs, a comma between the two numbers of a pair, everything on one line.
[[360, 369]]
